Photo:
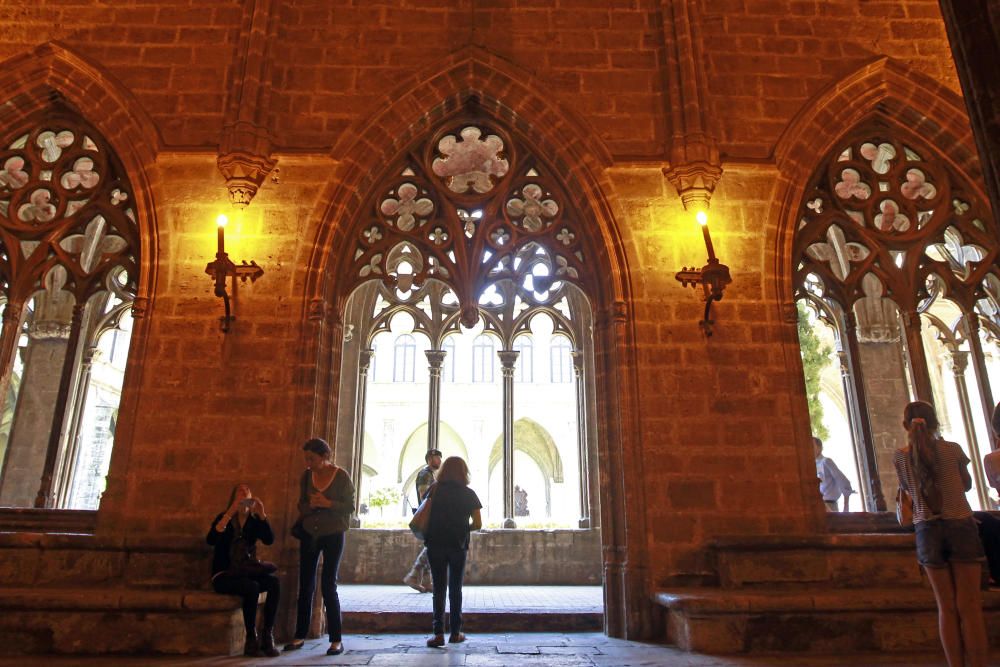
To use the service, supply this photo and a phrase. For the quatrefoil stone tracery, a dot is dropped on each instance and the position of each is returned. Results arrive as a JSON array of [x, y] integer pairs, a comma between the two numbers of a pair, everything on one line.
[[473, 213]]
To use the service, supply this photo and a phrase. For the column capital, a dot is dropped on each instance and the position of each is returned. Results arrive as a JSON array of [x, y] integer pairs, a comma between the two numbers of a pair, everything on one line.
[[958, 362], [365, 359], [140, 305], [435, 358], [508, 358]]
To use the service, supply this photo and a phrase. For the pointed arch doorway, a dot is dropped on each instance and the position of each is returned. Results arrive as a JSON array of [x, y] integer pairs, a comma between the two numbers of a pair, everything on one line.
[[468, 289]]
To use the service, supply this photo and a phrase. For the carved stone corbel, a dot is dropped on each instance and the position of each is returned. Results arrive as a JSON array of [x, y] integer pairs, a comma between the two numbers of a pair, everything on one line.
[[695, 182], [244, 174]]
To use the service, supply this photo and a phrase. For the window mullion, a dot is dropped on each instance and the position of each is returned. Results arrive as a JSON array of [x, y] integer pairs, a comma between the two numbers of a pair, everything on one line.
[[877, 499], [44, 497]]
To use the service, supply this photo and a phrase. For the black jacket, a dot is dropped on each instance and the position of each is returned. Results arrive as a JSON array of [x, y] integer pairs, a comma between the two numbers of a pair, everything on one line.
[[253, 529]]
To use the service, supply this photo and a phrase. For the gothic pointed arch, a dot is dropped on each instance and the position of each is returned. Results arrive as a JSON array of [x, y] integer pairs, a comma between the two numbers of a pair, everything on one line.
[[498, 90], [55, 72], [883, 91], [392, 157], [893, 251], [111, 145]]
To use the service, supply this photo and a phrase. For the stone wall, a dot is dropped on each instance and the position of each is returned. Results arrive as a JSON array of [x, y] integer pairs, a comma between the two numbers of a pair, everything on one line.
[[496, 557], [698, 437]]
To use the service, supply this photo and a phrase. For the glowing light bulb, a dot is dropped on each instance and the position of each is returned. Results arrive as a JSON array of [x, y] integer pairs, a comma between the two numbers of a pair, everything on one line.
[[701, 217], [222, 220]]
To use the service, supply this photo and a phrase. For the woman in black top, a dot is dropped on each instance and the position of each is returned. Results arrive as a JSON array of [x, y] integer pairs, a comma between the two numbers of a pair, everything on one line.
[[236, 570], [326, 501], [447, 541]]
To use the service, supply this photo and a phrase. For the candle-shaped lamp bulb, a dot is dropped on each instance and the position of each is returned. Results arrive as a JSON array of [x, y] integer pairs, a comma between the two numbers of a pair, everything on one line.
[[221, 223], [702, 218]]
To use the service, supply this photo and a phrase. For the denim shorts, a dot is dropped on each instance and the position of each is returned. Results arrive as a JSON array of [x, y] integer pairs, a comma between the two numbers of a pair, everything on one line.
[[944, 541]]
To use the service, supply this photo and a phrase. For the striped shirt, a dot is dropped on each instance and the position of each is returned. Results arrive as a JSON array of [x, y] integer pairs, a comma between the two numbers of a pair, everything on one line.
[[949, 462]]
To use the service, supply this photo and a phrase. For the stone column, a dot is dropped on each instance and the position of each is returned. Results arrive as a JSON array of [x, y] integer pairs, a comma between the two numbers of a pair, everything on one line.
[[67, 469], [918, 359], [958, 362], [45, 356], [876, 499], [10, 333], [982, 373], [581, 439], [45, 496], [507, 360], [854, 421], [435, 358], [364, 363]]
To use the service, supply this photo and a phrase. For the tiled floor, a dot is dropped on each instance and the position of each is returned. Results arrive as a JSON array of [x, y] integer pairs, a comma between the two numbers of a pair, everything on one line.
[[565, 599], [495, 650]]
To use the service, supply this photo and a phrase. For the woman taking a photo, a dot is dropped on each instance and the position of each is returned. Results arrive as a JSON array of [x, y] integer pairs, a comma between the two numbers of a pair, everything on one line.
[[447, 542], [236, 570], [326, 501], [935, 473]]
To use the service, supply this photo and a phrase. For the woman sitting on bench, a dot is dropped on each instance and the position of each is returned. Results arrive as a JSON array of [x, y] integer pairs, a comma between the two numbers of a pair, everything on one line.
[[237, 571]]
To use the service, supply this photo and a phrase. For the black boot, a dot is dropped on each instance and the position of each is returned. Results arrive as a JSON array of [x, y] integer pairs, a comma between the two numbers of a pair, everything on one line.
[[251, 648], [267, 648]]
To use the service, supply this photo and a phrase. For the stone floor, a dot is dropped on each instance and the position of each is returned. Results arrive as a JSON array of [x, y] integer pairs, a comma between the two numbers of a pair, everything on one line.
[[489, 650], [525, 599]]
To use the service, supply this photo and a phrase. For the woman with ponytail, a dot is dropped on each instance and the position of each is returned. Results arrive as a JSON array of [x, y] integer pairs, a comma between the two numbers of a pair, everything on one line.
[[935, 473]]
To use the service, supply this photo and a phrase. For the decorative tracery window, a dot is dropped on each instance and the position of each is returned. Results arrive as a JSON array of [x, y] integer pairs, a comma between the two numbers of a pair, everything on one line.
[[69, 263], [899, 293], [476, 241]]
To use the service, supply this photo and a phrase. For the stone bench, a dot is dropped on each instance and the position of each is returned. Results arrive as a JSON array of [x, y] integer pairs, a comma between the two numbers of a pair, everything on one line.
[[848, 620], [118, 620]]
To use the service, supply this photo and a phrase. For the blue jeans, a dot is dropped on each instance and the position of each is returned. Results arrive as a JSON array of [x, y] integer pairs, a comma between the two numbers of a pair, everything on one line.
[[332, 548], [447, 572]]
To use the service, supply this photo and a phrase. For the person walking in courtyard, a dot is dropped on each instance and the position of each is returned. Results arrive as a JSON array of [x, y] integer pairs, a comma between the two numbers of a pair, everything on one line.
[[453, 506], [421, 569], [237, 571], [326, 500], [832, 482], [935, 473]]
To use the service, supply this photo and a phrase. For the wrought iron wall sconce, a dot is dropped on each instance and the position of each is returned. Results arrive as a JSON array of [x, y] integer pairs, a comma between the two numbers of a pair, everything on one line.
[[223, 268], [713, 277]]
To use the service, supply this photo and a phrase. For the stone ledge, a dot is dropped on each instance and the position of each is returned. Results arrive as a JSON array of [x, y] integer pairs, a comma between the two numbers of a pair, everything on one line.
[[846, 541], [84, 599], [33, 539], [48, 520], [719, 601]]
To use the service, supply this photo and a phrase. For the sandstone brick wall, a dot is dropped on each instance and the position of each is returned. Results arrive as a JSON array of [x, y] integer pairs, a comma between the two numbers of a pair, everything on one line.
[[766, 58], [720, 420]]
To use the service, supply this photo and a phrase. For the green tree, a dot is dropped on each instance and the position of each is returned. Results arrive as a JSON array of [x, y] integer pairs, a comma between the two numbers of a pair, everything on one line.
[[383, 497], [815, 358]]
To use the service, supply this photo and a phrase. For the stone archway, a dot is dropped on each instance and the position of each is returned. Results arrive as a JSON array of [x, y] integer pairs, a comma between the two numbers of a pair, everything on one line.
[[505, 94], [882, 93]]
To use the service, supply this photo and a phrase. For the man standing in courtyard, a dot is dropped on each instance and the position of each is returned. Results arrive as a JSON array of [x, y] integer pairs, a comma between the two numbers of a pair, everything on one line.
[[832, 482], [421, 567]]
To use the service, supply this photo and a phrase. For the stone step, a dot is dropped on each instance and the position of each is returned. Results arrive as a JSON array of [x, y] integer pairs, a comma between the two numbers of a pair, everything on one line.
[[840, 561], [889, 620], [363, 622], [118, 621]]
